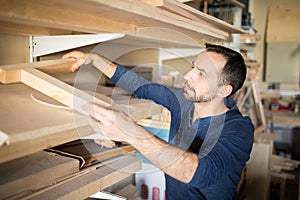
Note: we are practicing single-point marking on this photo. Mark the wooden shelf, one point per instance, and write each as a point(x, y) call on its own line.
point(126, 16)
point(249, 38)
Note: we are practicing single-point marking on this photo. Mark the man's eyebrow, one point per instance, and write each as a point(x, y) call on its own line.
point(197, 67)
point(202, 70)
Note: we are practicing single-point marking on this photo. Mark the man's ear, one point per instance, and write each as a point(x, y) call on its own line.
point(225, 90)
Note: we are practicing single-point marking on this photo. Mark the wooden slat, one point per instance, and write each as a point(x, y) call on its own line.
point(283, 23)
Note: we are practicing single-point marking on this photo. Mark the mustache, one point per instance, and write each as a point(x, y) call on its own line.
point(187, 85)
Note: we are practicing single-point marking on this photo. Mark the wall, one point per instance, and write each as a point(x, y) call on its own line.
point(259, 11)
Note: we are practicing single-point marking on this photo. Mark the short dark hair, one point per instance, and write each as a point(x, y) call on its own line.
point(234, 71)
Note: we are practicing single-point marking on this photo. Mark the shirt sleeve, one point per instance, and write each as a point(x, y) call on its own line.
point(228, 157)
point(144, 89)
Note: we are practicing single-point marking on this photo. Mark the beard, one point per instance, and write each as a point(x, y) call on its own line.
point(190, 94)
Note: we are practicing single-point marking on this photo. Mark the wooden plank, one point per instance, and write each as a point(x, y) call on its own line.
point(58, 16)
point(141, 109)
point(103, 16)
point(192, 13)
point(29, 30)
point(40, 169)
point(258, 181)
point(83, 186)
point(60, 91)
point(286, 117)
point(129, 192)
point(31, 145)
point(257, 103)
point(12, 73)
point(283, 23)
point(237, 3)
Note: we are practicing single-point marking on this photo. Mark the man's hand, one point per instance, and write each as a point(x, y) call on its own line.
point(115, 125)
point(81, 58)
point(101, 63)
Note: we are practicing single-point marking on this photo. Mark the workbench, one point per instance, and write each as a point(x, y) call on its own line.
point(28, 128)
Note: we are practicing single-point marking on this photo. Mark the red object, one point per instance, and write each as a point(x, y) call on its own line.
point(144, 191)
point(155, 193)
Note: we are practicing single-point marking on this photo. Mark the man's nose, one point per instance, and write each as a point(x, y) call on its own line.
point(188, 75)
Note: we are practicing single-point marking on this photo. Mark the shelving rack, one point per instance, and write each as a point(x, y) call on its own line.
point(28, 128)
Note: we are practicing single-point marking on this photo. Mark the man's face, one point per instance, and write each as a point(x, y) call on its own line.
point(202, 81)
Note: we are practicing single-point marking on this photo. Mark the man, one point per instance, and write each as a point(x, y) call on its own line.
point(209, 140)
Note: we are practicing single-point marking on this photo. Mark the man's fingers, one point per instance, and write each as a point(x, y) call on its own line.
point(77, 65)
point(100, 113)
point(74, 54)
point(81, 58)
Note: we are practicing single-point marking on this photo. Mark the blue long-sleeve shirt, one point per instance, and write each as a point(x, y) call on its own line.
point(223, 142)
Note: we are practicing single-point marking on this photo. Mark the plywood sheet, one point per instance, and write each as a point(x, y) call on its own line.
point(33, 172)
point(31, 126)
point(283, 23)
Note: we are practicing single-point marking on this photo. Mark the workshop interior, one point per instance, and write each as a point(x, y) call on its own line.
point(50, 150)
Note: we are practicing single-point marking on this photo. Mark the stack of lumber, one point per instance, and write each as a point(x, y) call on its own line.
point(127, 16)
point(67, 173)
